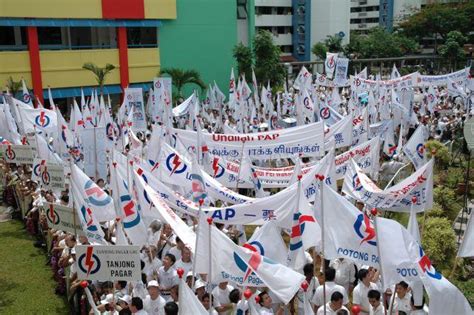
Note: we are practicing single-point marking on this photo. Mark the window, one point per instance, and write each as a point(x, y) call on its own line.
point(7, 36)
point(142, 37)
point(241, 9)
point(49, 35)
point(80, 37)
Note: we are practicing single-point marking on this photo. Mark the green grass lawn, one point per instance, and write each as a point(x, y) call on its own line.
point(26, 283)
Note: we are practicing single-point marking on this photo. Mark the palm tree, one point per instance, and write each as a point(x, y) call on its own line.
point(100, 73)
point(13, 86)
point(180, 77)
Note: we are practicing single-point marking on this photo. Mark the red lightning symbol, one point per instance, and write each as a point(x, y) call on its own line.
point(157, 164)
point(89, 212)
point(254, 262)
point(425, 263)
point(128, 209)
point(42, 120)
point(368, 229)
point(51, 212)
point(89, 263)
point(215, 165)
point(176, 162)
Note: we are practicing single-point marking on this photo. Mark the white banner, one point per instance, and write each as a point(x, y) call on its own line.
point(307, 140)
point(49, 175)
point(94, 149)
point(18, 154)
point(61, 218)
point(340, 77)
point(184, 107)
point(409, 80)
point(459, 77)
point(108, 263)
point(330, 64)
point(365, 154)
point(133, 99)
point(396, 198)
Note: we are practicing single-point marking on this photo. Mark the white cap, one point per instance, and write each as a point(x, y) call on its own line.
point(153, 283)
point(199, 284)
point(108, 299)
point(190, 274)
point(126, 298)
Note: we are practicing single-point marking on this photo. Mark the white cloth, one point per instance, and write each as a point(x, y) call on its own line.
point(329, 310)
point(154, 307)
point(318, 298)
point(167, 280)
point(313, 285)
point(345, 272)
point(359, 296)
point(403, 305)
point(379, 310)
point(221, 297)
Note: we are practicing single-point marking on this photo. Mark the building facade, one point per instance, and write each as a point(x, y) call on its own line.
point(47, 42)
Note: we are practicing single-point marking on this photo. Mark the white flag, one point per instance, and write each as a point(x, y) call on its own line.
point(467, 246)
point(330, 64)
point(415, 147)
point(26, 97)
point(188, 301)
point(268, 242)
point(304, 79)
point(36, 119)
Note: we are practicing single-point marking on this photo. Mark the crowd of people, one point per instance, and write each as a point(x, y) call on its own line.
point(349, 288)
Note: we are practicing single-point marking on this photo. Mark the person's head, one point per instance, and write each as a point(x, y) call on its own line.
point(167, 230)
point(360, 205)
point(179, 243)
point(416, 307)
point(186, 254)
point(363, 275)
point(223, 285)
point(101, 183)
point(308, 270)
point(124, 301)
point(401, 289)
point(70, 241)
point(234, 296)
point(153, 289)
point(136, 305)
point(265, 300)
point(336, 300)
point(64, 200)
point(206, 300)
point(171, 308)
point(119, 285)
point(330, 274)
point(169, 260)
point(374, 298)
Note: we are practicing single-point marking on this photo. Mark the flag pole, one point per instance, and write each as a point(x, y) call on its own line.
point(209, 221)
point(240, 166)
point(201, 201)
point(95, 155)
point(320, 177)
point(374, 213)
point(72, 196)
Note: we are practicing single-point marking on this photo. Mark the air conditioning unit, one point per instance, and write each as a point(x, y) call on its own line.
point(301, 50)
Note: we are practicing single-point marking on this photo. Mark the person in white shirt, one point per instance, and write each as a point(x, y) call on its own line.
point(333, 306)
point(178, 249)
point(206, 302)
point(152, 263)
point(220, 296)
point(359, 295)
point(376, 308)
point(154, 303)
point(266, 305)
point(331, 287)
point(137, 306)
point(345, 273)
point(313, 284)
point(185, 262)
point(167, 276)
point(402, 299)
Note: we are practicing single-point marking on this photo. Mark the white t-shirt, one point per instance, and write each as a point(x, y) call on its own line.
point(404, 304)
point(329, 310)
point(221, 297)
point(187, 266)
point(359, 296)
point(380, 310)
point(331, 287)
point(345, 272)
point(154, 266)
point(154, 307)
point(176, 252)
point(266, 311)
point(167, 280)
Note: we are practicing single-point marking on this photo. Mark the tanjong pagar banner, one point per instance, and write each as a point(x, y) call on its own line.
point(61, 218)
point(108, 263)
point(396, 198)
point(307, 140)
point(365, 154)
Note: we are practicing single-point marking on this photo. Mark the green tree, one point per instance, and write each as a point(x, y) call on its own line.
point(13, 86)
point(379, 43)
point(243, 56)
point(437, 20)
point(452, 48)
point(330, 44)
point(439, 242)
point(440, 151)
point(180, 78)
point(267, 60)
point(99, 72)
